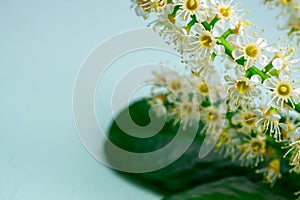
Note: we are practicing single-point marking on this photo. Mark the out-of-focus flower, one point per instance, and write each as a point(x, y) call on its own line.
point(253, 150)
point(271, 172)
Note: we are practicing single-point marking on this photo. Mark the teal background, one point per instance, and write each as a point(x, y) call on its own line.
point(42, 45)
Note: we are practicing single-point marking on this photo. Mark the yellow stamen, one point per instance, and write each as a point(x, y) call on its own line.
point(242, 86)
point(206, 41)
point(289, 52)
point(283, 89)
point(251, 51)
point(191, 5)
point(225, 12)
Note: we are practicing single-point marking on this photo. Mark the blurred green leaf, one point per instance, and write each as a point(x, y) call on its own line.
point(232, 188)
point(184, 173)
point(189, 170)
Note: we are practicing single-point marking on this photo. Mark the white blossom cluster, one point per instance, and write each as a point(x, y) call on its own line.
point(261, 87)
point(290, 13)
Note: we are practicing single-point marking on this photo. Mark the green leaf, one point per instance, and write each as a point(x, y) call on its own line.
point(188, 171)
point(232, 188)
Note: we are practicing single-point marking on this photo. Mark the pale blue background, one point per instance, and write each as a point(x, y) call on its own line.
point(42, 46)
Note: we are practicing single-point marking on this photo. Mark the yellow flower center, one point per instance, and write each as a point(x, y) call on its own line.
point(224, 137)
point(242, 86)
point(286, 1)
point(206, 40)
point(191, 5)
point(283, 89)
point(275, 165)
point(203, 89)
point(223, 140)
point(187, 109)
point(257, 146)
point(212, 116)
point(175, 85)
point(225, 12)
point(251, 51)
point(274, 171)
point(249, 119)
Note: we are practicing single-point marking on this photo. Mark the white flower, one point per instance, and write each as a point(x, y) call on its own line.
point(293, 24)
point(142, 7)
point(201, 87)
point(225, 13)
point(296, 169)
point(214, 119)
point(185, 110)
point(242, 90)
point(284, 59)
point(269, 122)
point(203, 43)
point(246, 119)
point(294, 144)
point(228, 142)
point(206, 92)
point(190, 7)
point(253, 150)
point(157, 102)
point(289, 9)
point(282, 91)
point(173, 35)
point(170, 82)
point(288, 6)
point(251, 49)
point(207, 71)
point(271, 172)
point(160, 6)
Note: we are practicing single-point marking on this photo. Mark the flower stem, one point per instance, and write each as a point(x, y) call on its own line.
point(253, 70)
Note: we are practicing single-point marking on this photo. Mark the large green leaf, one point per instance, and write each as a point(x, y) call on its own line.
point(189, 170)
point(184, 173)
point(232, 188)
